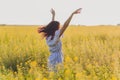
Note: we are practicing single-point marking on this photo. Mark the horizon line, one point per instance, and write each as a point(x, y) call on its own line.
point(70, 25)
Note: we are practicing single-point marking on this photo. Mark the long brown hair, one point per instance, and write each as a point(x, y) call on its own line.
point(50, 29)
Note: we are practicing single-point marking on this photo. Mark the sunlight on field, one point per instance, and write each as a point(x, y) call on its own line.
point(90, 53)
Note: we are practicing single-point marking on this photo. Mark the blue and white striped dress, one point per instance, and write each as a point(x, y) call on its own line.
point(55, 46)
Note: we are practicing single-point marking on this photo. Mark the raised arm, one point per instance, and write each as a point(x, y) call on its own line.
point(53, 14)
point(65, 25)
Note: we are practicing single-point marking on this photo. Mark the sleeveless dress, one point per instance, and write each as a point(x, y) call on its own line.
point(56, 56)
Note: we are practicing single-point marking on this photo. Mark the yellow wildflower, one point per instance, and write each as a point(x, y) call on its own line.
point(78, 75)
point(51, 74)
point(114, 78)
point(67, 72)
point(67, 59)
point(37, 79)
point(45, 78)
point(59, 79)
point(33, 64)
point(75, 58)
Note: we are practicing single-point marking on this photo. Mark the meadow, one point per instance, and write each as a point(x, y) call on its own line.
point(90, 53)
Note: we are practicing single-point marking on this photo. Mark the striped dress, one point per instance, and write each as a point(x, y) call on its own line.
point(56, 56)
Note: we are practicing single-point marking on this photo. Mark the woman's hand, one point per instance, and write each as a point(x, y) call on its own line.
point(77, 11)
point(52, 11)
point(53, 14)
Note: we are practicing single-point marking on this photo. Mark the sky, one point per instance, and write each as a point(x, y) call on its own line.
point(37, 12)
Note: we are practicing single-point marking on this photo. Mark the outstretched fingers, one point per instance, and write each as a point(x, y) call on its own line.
point(77, 11)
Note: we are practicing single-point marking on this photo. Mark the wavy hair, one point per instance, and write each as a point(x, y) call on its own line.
point(50, 29)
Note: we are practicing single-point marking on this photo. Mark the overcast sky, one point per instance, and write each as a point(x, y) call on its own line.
point(94, 12)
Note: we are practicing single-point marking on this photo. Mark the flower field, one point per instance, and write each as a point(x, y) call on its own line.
point(90, 53)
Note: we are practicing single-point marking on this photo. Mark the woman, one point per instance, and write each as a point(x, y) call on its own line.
point(52, 33)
